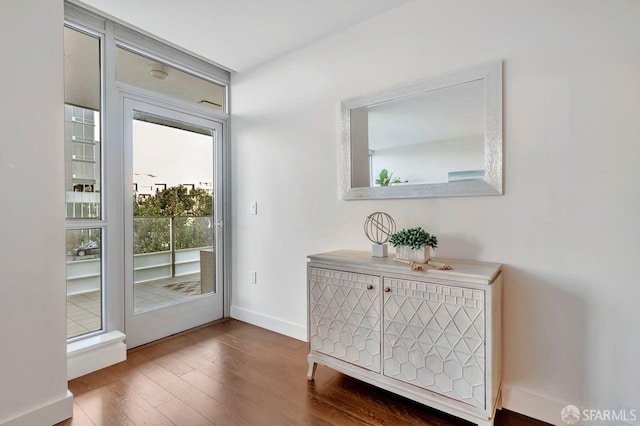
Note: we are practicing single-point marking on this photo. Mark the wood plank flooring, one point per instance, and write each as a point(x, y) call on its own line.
point(233, 373)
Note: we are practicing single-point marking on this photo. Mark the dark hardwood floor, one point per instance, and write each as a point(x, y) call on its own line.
point(233, 373)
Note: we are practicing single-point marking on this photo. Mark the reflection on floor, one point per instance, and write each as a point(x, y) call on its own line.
point(233, 373)
point(84, 310)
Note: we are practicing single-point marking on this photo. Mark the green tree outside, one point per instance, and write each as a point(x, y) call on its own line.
point(190, 210)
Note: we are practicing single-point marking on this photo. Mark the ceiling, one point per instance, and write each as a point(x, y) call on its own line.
point(241, 34)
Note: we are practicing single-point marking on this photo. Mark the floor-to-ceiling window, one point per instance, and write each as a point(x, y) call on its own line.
point(83, 189)
point(116, 233)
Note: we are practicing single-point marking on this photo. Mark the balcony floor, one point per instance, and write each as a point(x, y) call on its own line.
point(83, 313)
point(84, 310)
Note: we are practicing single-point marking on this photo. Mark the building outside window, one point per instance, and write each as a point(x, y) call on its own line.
point(82, 136)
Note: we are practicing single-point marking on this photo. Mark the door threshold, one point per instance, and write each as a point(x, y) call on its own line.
point(182, 333)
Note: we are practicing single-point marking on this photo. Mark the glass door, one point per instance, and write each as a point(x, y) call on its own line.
point(173, 221)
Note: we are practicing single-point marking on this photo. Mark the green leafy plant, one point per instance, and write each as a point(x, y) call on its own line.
point(386, 179)
point(189, 211)
point(416, 238)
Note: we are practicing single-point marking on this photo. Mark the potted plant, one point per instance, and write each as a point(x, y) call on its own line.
point(413, 244)
point(386, 179)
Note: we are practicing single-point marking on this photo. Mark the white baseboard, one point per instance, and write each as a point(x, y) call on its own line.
point(49, 414)
point(544, 408)
point(278, 325)
point(532, 405)
point(95, 353)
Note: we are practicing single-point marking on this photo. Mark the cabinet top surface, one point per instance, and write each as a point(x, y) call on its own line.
point(462, 268)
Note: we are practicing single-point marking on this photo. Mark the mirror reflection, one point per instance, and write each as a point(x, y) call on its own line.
point(433, 137)
point(438, 137)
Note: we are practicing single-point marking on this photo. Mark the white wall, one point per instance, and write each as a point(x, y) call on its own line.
point(566, 229)
point(33, 385)
point(432, 161)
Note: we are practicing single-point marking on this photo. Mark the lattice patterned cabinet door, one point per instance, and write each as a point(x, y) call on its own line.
point(434, 338)
point(344, 319)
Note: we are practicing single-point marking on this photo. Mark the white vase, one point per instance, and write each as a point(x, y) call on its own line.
point(413, 255)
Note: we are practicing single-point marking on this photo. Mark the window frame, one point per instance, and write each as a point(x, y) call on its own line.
point(115, 34)
point(101, 223)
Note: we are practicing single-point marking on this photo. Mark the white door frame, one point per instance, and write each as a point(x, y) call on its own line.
point(152, 325)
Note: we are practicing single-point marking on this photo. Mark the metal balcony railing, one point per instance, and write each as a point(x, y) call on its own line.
point(162, 247)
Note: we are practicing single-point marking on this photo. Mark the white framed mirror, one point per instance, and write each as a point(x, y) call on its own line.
point(437, 137)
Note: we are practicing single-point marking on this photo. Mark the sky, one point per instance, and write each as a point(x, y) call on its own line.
point(172, 156)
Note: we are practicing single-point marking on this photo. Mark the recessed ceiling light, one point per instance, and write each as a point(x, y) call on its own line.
point(158, 71)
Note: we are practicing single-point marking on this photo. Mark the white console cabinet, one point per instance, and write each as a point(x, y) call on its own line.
point(431, 336)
